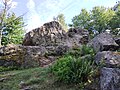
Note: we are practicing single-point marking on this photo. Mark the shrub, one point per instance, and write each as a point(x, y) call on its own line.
point(82, 51)
point(72, 68)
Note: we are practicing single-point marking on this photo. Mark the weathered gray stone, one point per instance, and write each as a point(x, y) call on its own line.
point(60, 50)
point(48, 40)
point(24, 56)
point(110, 79)
point(29, 56)
point(78, 36)
point(108, 59)
point(47, 35)
point(52, 34)
point(104, 42)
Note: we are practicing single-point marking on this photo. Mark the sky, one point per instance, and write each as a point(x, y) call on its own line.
point(38, 12)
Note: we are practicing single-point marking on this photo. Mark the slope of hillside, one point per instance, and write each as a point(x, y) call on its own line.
point(31, 79)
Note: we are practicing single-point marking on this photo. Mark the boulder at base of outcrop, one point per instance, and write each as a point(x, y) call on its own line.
point(24, 56)
point(110, 79)
point(108, 59)
point(104, 42)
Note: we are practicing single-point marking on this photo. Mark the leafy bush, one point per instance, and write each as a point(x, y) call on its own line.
point(73, 68)
point(82, 51)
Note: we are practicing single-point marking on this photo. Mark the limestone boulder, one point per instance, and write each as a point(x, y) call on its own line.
point(108, 59)
point(104, 42)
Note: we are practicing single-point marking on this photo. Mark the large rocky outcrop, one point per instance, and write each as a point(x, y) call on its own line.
point(52, 34)
point(104, 42)
point(42, 45)
point(108, 58)
point(49, 34)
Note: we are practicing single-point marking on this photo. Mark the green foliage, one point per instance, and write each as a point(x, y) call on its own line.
point(11, 26)
point(75, 66)
point(28, 76)
point(33, 79)
point(82, 51)
point(82, 19)
point(97, 19)
point(61, 20)
point(115, 22)
point(101, 17)
point(2, 69)
point(13, 30)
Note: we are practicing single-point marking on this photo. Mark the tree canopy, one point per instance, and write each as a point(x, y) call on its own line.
point(13, 30)
point(61, 20)
point(11, 26)
point(98, 19)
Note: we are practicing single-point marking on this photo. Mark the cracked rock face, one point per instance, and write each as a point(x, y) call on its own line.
point(52, 34)
point(22, 56)
point(108, 59)
point(104, 42)
point(48, 34)
point(110, 79)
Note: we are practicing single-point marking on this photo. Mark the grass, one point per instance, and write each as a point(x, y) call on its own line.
point(34, 79)
point(43, 79)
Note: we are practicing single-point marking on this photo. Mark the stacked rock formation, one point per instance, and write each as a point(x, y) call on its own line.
point(108, 56)
point(42, 45)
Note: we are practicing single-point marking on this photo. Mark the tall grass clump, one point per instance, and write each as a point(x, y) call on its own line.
point(76, 66)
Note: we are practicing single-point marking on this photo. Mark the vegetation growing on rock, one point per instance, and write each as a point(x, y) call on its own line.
point(76, 67)
point(68, 54)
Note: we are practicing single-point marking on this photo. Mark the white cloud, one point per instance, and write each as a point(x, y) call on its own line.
point(33, 18)
point(45, 11)
point(51, 8)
